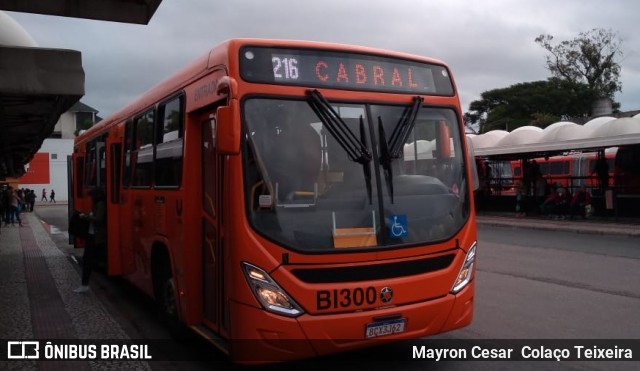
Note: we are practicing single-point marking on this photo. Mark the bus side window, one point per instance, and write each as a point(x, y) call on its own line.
point(517, 171)
point(102, 164)
point(128, 148)
point(90, 173)
point(79, 176)
point(142, 155)
point(209, 165)
point(168, 160)
point(116, 165)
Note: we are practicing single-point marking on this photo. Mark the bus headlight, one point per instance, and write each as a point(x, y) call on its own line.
point(269, 293)
point(466, 272)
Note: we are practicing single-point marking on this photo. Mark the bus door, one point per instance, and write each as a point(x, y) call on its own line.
point(115, 255)
point(124, 211)
point(69, 189)
point(76, 188)
point(578, 172)
point(214, 308)
point(100, 166)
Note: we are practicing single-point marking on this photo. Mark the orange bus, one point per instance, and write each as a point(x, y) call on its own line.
point(571, 171)
point(290, 190)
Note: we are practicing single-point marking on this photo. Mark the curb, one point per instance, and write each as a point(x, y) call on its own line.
point(590, 228)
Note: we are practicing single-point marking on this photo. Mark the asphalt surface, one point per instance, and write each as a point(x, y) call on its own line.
point(602, 226)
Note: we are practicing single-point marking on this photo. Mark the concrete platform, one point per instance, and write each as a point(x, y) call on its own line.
point(36, 286)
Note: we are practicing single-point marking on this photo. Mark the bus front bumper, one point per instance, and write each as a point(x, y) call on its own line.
point(267, 338)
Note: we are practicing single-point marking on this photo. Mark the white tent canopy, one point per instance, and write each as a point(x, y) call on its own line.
point(599, 133)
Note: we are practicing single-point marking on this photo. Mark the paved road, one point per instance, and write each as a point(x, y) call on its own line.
point(534, 284)
point(530, 284)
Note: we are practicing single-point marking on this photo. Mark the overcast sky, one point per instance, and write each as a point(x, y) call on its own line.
point(488, 44)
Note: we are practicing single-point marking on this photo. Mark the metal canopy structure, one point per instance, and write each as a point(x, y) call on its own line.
point(558, 138)
point(126, 11)
point(38, 85)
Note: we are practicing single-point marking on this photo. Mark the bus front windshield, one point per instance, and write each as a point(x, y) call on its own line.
point(327, 176)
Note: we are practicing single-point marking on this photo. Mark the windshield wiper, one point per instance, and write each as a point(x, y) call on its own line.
point(366, 169)
point(356, 149)
point(385, 158)
point(392, 149)
point(403, 128)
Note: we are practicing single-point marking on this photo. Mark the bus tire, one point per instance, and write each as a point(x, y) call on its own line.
point(166, 296)
point(168, 310)
point(164, 291)
point(168, 303)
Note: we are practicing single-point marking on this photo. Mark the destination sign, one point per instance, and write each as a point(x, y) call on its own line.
point(343, 70)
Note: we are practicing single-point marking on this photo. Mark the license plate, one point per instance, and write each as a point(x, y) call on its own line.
point(376, 329)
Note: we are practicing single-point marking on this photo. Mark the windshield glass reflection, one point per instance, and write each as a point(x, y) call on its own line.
point(306, 190)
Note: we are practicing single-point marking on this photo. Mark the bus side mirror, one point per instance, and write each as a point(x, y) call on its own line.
point(228, 129)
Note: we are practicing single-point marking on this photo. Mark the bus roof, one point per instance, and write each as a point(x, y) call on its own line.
point(220, 56)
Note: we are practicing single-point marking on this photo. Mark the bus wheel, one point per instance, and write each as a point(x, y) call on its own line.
point(168, 308)
point(168, 302)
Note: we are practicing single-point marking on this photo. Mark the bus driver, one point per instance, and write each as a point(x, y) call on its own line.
point(294, 159)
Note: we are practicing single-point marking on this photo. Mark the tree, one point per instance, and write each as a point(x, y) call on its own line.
point(591, 58)
point(538, 103)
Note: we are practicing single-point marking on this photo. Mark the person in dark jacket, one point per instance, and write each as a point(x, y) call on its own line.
point(13, 201)
point(581, 198)
point(97, 236)
point(31, 200)
point(550, 204)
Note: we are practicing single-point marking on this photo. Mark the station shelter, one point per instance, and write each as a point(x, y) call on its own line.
point(567, 155)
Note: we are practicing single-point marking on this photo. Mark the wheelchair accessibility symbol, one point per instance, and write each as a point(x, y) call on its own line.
point(398, 226)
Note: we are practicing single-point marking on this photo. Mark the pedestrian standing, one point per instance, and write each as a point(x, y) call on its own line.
point(520, 210)
point(22, 203)
point(7, 205)
point(14, 202)
point(97, 236)
point(602, 171)
point(31, 199)
point(52, 198)
point(4, 207)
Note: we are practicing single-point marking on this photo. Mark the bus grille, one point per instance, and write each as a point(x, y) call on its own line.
point(373, 272)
